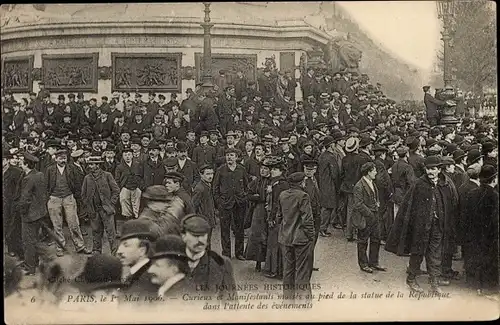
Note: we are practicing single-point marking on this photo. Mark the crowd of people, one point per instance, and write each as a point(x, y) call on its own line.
point(154, 179)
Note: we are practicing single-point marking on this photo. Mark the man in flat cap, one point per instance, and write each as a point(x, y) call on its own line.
point(417, 229)
point(226, 107)
point(32, 208)
point(210, 272)
point(296, 235)
point(136, 241)
point(172, 182)
point(230, 189)
point(100, 194)
point(203, 199)
point(63, 189)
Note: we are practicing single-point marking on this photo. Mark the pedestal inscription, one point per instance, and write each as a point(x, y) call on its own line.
point(231, 63)
point(70, 72)
point(17, 74)
point(146, 71)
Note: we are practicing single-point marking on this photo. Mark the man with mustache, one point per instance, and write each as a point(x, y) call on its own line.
point(63, 189)
point(209, 271)
point(100, 194)
point(418, 230)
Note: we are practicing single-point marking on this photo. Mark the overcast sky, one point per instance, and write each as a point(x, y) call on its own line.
point(409, 28)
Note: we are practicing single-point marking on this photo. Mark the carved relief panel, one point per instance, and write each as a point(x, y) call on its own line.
point(70, 72)
point(17, 74)
point(287, 61)
point(146, 71)
point(231, 63)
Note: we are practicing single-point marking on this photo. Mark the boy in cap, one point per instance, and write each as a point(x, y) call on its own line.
point(100, 194)
point(208, 270)
point(203, 199)
point(32, 208)
point(172, 182)
point(128, 179)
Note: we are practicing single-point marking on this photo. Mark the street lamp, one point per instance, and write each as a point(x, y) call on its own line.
point(207, 51)
point(446, 12)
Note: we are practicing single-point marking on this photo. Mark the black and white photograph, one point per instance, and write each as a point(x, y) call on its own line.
point(234, 162)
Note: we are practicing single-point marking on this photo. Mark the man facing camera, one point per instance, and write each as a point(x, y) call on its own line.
point(210, 272)
point(366, 218)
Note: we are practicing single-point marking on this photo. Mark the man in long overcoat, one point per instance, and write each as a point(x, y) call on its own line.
point(329, 183)
point(482, 238)
point(418, 227)
point(12, 176)
point(296, 235)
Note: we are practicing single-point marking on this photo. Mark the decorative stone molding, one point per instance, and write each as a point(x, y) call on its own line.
point(17, 74)
point(229, 62)
point(70, 72)
point(105, 73)
point(146, 71)
point(153, 41)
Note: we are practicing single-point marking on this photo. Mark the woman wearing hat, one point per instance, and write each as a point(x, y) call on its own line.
point(255, 249)
point(481, 236)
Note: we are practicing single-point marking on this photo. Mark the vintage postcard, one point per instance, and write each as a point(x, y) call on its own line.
point(188, 162)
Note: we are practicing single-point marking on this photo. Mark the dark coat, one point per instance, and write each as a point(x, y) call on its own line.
point(214, 273)
point(329, 180)
point(459, 177)
point(351, 171)
point(366, 203)
point(151, 173)
point(463, 194)
point(411, 229)
point(297, 226)
point(139, 283)
point(417, 162)
point(11, 192)
point(204, 154)
point(191, 175)
point(256, 245)
point(105, 185)
point(384, 184)
point(230, 187)
point(125, 174)
point(33, 200)
point(71, 177)
point(481, 239)
point(450, 211)
point(431, 105)
point(203, 201)
point(402, 179)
